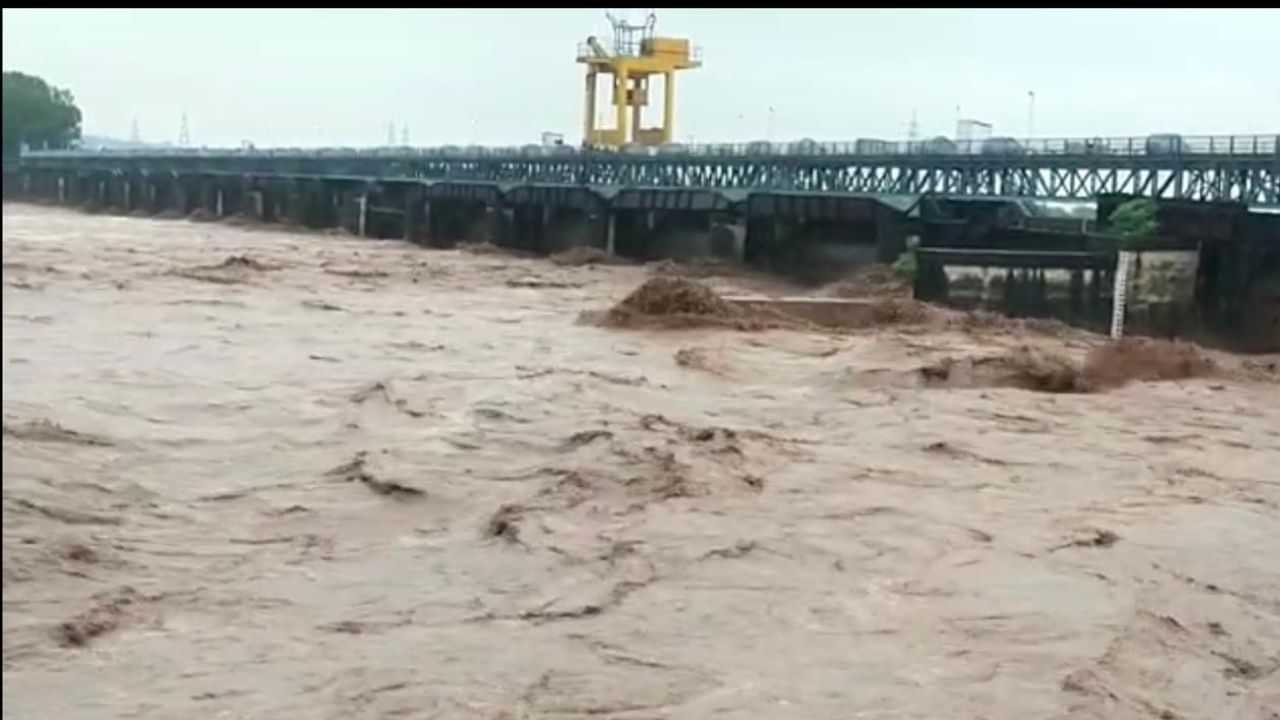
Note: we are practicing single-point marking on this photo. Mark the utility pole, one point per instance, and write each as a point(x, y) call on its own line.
point(184, 133)
point(1031, 116)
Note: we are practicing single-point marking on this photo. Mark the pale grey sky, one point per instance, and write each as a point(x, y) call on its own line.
point(334, 77)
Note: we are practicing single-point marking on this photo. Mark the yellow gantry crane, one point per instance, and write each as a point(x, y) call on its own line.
point(637, 55)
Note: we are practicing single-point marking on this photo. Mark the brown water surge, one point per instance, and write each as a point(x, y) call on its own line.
point(362, 480)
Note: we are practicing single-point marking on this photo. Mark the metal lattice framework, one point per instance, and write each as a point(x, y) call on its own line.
point(1241, 169)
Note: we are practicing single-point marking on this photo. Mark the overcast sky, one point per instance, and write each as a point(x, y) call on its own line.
point(297, 77)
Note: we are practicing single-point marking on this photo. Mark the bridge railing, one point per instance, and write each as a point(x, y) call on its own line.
point(1150, 145)
point(1124, 146)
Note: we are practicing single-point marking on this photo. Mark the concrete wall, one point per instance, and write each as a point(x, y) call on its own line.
point(1162, 294)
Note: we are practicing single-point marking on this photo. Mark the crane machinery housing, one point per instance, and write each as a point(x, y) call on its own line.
point(637, 55)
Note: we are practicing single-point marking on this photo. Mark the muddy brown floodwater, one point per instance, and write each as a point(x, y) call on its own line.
point(255, 474)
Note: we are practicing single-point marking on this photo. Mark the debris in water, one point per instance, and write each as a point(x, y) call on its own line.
point(322, 305)
point(48, 431)
point(488, 248)
point(582, 255)
point(377, 388)
point(1239, 667)
point(354, 470)
point(585, 437)
point(80, 553)
point(107, 614)
point(869, 281)
point(696, 358)
point(1144, 360)
point(899, 311)
point(666, 302)
point(505, 523)
point(233, 270)
point(540, 283)
point(698, 267)
point(676, 296)
point(386, 487)
point(358, 273)
point(739, 549)
point(1092, 539)
point(1024, 368)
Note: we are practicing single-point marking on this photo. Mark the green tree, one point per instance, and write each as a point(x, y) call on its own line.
point(37, 114)
point(1133, 223)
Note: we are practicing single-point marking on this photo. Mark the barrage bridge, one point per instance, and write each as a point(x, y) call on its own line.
point(1233, 168)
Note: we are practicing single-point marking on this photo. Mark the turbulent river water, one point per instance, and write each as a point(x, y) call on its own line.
point(251, 473)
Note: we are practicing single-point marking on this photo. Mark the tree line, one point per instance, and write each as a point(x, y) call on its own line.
point(37, 115)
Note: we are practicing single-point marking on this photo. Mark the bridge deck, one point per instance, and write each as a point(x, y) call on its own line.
point(1245, 169)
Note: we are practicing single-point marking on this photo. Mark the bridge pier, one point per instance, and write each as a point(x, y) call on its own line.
point(528, 227)
point(208, 198)
point(386, 208)
point(230, 197)
point(128, 194)
point(450, 221)
point(414, 205)
point(729, 240)
point(680, 234)
point(322, 205)
point(84, 189)
point(656, 234)
point(295, 203)
point(351, 204)
point(152, 190)
point(820, 238)
point(630, 233)
point(9, 182)
point(106, 190)
point(283, 194)
point(116, 200)
point(185, 194)
point(249, 205)
point(271, 200)
point(164, 190)
point(547, 229)
point(71, 189)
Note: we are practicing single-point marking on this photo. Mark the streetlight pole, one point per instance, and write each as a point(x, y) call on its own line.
point(1031, 116)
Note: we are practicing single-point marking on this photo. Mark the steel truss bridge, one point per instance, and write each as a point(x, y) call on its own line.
point(1243, 169)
